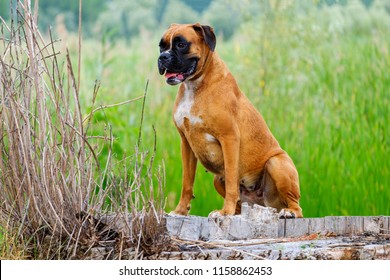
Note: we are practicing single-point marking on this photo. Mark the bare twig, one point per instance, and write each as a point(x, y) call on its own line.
point(102, 107)
point(142, 114)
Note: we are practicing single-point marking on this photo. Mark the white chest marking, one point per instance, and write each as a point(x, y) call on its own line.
point(184, 109)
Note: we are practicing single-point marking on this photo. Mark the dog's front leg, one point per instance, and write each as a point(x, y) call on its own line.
point(189, 162)
point(230, 149)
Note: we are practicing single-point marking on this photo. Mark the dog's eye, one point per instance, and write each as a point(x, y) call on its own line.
point(181, 45)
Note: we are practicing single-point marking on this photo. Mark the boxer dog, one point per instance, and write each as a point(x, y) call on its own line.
point(220, 128)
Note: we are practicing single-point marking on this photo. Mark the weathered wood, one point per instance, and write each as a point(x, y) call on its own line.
point(259, 222)
point(254, 222)
point(336, 225)
point(316, 225)
point(373, 224)
point(386, 226)
point(248, 226)
point(344, 224)
point(188, 227)
point(300, 227)
point(296, 227)
point(258, 233)
point(336, 248)
point(281, 227)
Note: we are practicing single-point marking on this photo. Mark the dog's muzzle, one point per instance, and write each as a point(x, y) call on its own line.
point(173, 72)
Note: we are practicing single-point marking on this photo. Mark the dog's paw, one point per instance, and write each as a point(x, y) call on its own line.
point(179, 212)
point(286, 214)
point(219, 213)
point(175, 214)
point(215, 214)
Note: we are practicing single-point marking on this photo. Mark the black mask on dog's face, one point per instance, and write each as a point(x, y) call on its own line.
point(175, 62)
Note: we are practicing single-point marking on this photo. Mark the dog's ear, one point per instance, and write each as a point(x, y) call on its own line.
point(207, 33)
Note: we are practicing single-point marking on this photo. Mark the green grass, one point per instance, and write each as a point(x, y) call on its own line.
point(321, 80)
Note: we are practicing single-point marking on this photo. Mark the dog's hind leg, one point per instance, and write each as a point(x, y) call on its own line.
point(281, 189)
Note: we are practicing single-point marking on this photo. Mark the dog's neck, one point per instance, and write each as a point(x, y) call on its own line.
point(193, 84)
point(209, 74)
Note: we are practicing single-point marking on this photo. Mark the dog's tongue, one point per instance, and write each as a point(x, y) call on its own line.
point(177, 75)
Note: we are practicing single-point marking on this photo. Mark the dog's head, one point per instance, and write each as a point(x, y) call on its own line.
point(184, 49)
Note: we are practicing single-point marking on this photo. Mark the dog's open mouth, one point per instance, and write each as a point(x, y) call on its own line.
point(174, 78)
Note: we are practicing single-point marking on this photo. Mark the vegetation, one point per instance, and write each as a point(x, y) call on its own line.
point(317, 71)
point(55, 191)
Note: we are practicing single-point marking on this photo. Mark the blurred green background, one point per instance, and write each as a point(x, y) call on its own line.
point(318, 71)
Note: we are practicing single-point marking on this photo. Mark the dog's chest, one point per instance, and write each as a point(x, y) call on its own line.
point(184, 112)
point(191, 120)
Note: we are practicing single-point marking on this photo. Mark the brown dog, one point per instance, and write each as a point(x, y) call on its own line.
point(221, 128)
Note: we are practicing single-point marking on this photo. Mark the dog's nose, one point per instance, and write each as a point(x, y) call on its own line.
point(164, 57)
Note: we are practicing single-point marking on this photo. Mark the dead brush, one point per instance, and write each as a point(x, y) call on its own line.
point(54, 195)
